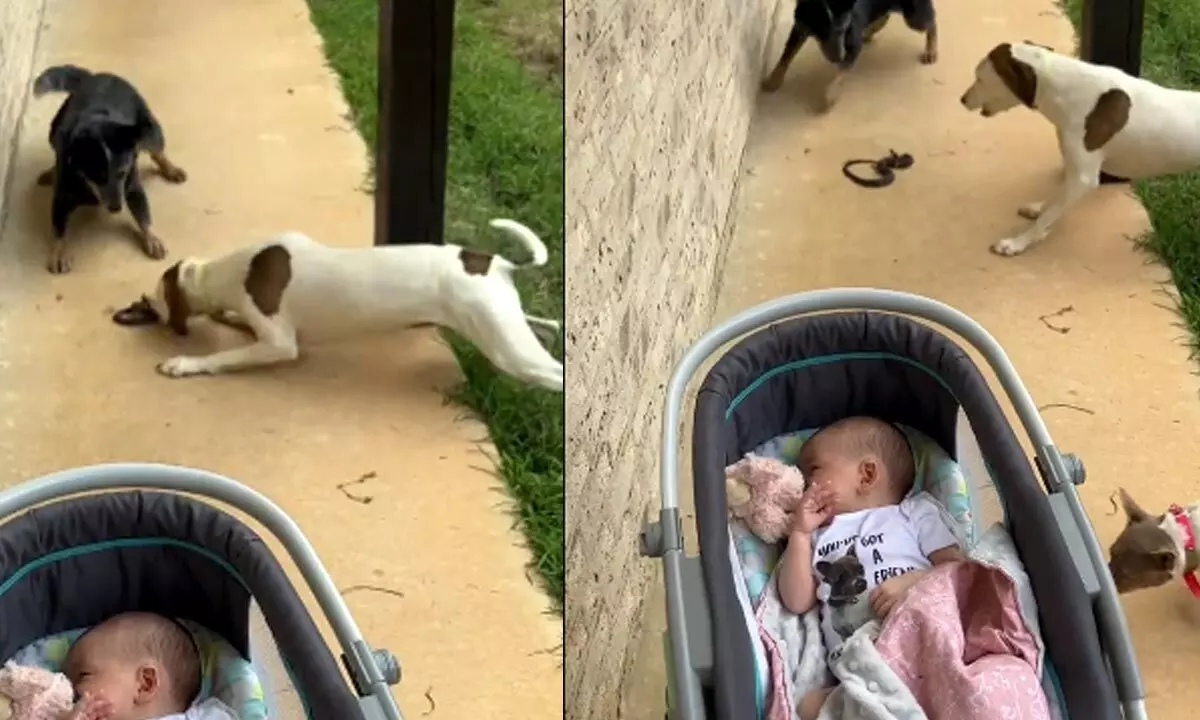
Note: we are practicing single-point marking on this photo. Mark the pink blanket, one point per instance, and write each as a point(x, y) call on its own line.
point(958, 643)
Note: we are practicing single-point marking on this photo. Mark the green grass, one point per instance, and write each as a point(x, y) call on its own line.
point(506, 160)
point(1171, 56)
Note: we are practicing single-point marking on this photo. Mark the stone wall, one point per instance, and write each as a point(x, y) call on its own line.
point(20, 23)
point(659, 100)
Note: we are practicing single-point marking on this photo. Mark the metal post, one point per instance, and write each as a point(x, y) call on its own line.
point(411, 141)
point(1112, 34)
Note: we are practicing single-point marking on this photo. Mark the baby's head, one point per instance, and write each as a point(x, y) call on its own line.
point(144, 664)
point(866, 462)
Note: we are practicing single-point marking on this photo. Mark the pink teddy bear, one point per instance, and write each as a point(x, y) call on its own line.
point(762, 492)
point(31, 693)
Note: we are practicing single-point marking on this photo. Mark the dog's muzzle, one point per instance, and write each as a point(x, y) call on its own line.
point(112, 200)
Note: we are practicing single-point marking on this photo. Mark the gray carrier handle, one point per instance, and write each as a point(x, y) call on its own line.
point(1060, 473)
point(371, 670)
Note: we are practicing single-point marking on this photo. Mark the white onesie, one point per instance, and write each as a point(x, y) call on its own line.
point(209, 709)
point(889, 541)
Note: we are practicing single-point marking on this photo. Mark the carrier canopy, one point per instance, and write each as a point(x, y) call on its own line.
point(811, 371)
point(76, 562)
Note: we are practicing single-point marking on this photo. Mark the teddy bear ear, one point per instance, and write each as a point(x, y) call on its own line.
point(6, 678)
point(736, 493)
point(27, 681)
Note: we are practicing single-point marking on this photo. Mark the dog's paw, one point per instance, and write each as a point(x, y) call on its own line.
point(59, 262)
point(1030, 211)
point(830, 95)
point(773, 82)
point(1008, 247)
point(153, 247)
point(174, 174)
point(46, 178)
point(929, 57)
point(181, 366)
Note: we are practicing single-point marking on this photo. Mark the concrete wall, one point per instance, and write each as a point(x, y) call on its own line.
point(20, 23)
point(659, 99)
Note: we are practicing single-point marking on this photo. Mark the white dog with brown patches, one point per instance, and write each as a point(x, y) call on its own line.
point(1106, 119)
point(291, 289)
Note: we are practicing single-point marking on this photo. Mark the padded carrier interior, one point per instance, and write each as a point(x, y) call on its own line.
point(76, 562)
point(811, 371)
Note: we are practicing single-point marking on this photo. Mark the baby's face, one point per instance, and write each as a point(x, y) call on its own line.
point(825, 465)
point(92, 667)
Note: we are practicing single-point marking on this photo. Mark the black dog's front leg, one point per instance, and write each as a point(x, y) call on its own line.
point(139, 206)
point(60, 212)
point(795, 41)
point(920, 16)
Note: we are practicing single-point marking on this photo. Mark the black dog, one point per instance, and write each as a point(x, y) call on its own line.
point(96, 136)
point(842, 27)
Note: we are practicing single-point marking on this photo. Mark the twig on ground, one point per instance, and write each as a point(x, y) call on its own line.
point(1061, 329)
point(432, 702)
point(548, 651)
point(362, 499)
point(1066, 406)
point(372, 588)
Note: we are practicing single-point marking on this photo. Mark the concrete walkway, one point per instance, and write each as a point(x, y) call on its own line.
point(1118, 356)
point(254, 116)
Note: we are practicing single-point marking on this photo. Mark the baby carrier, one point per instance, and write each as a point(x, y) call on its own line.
point(81, 545)
point(810, 359)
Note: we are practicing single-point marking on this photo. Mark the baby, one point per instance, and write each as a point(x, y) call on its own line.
point(858, 544)
point(137, 666)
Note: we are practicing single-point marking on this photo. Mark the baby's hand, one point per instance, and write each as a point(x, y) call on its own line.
point(814, 509)
point(91, 707)
point(888, 594)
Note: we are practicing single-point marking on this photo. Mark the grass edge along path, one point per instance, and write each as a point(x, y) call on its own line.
point(1171, 57)
point(506, 160)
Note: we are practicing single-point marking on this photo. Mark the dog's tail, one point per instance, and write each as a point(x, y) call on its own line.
point(527, 237)
point(60, 78)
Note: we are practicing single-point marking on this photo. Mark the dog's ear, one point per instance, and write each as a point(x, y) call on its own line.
point(823, 568)
point(853, 551)
point(1133, 512)
point(178, 310)
point(1020, 79)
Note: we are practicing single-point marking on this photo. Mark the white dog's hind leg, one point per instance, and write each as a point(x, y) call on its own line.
point(1082, 177)
point(546, 378)
point(505, 337)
